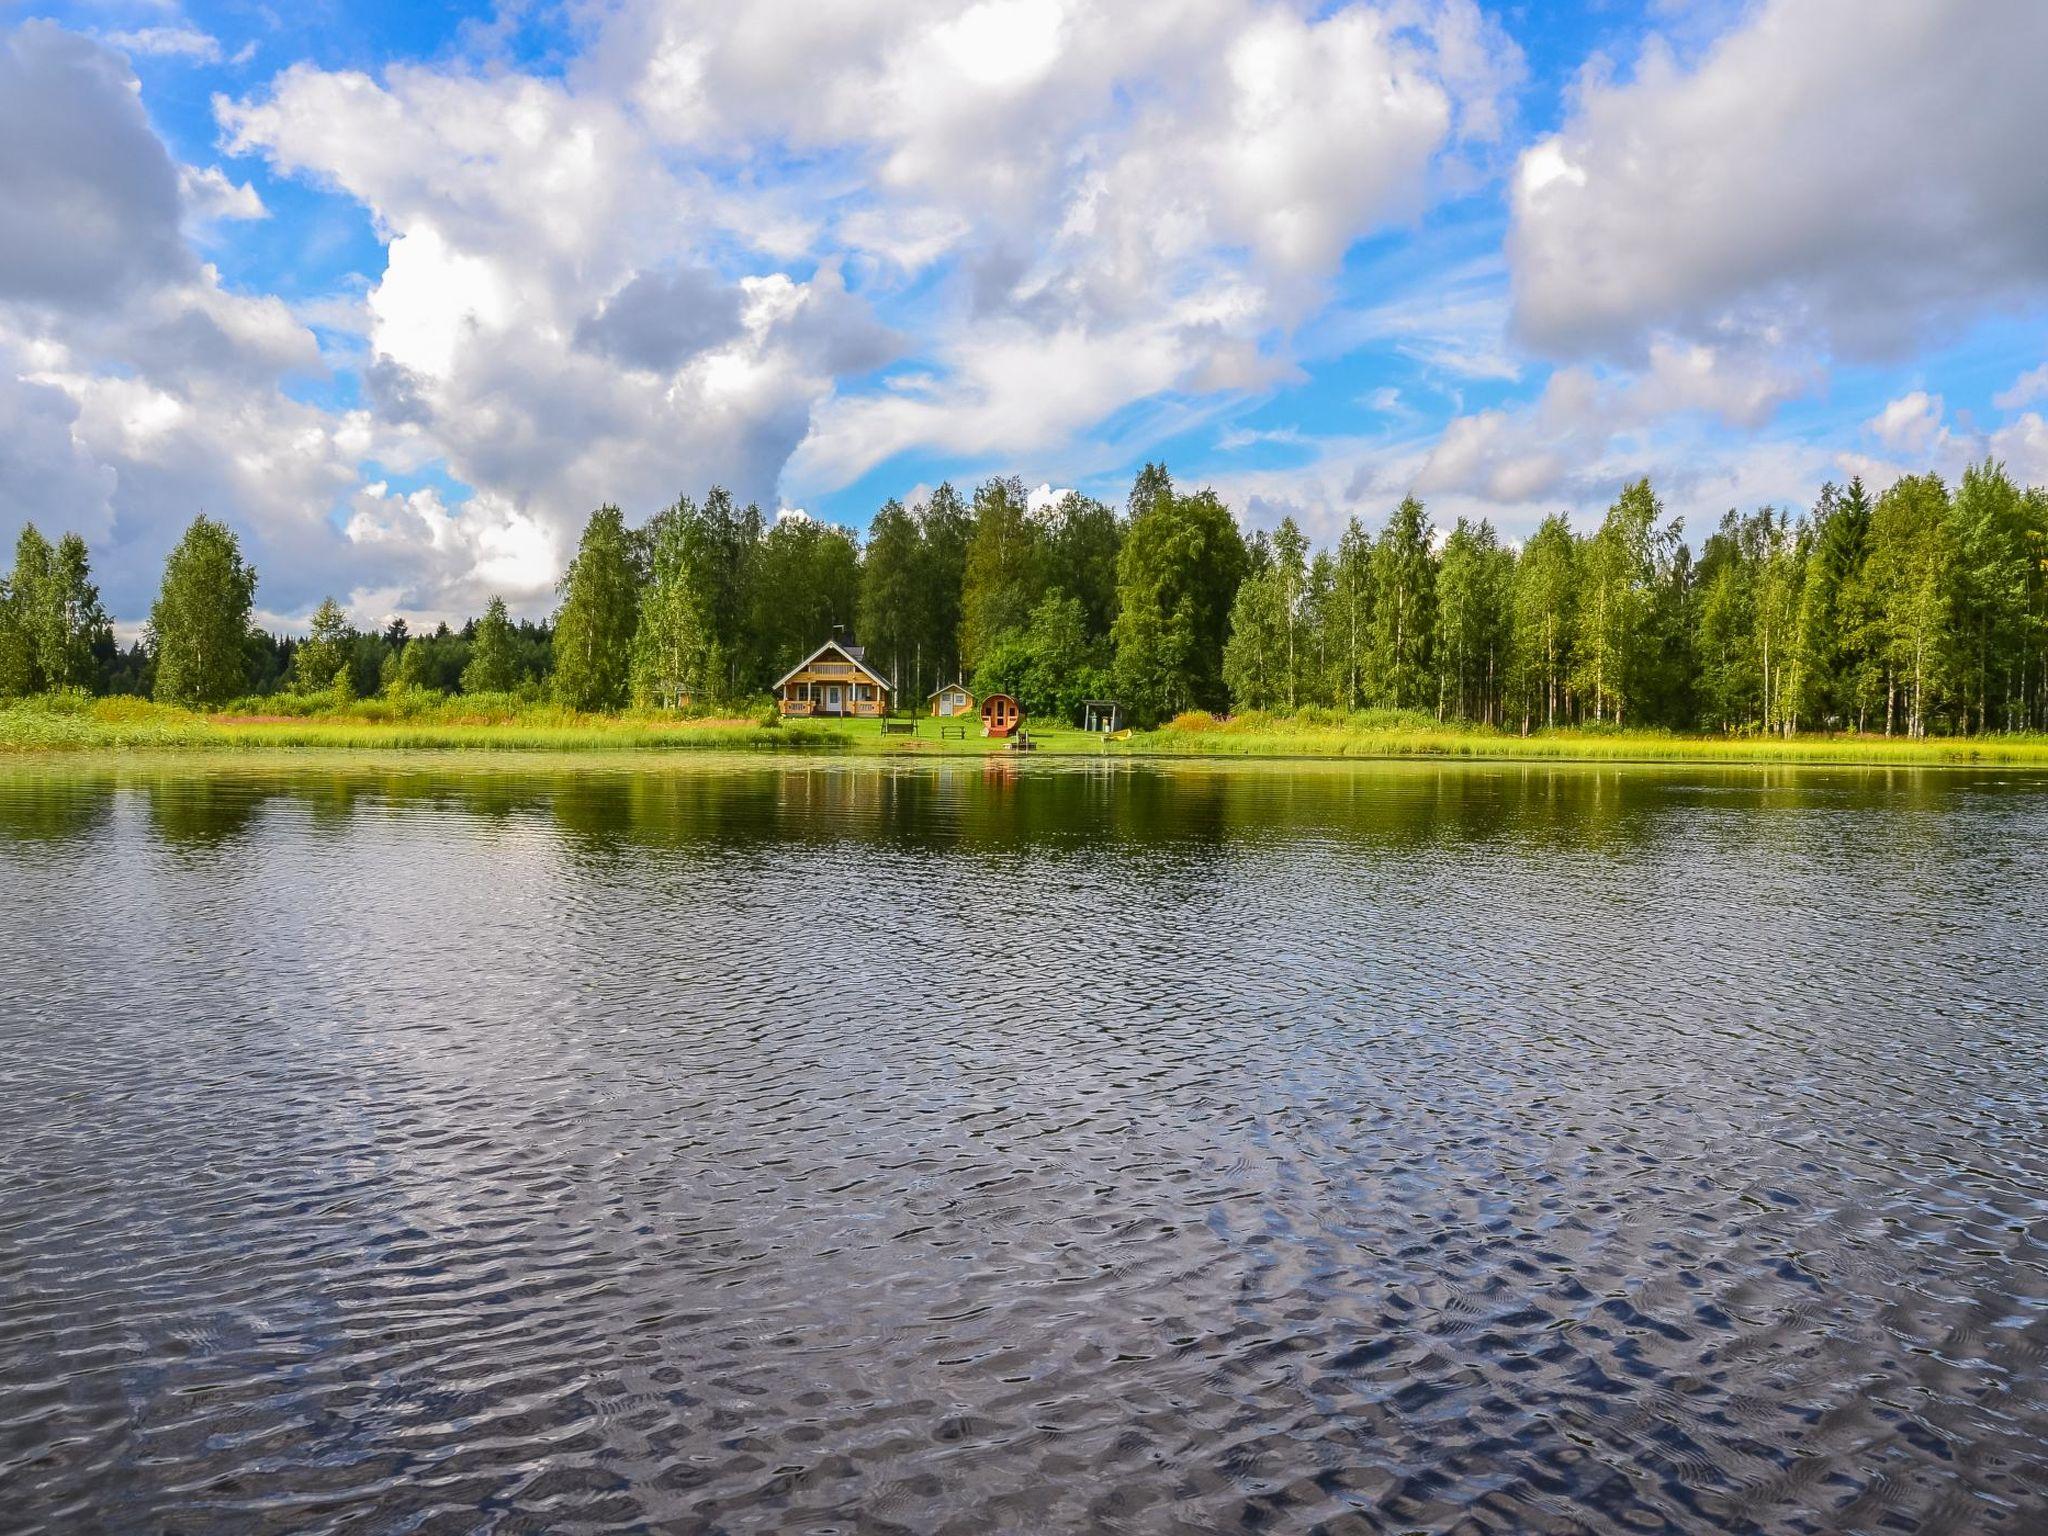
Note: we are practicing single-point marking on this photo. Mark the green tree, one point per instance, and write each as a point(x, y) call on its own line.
point(945, 525)
point(24, 614)
point(1005, 570)
point(200, 620)
point(1152, 486)
point(1910, 573)
point(325, 651)
point(17, 654)
point(1747, 651)
point(1727, 599)
point(1826, 664)
point(1781, 574)
point(1252, 655)
point(1083, 544)
point(1617, 573)
point(1866, 670)
point(726, 562)
point(1265, 657)
point(434, 662)
point(1545, 604)
point(1403, 609)
point(493, 665)
point(1994, 552)
point(893, 623)
point(681, 651)
point(1050, 665)
point(59, 625)
point(599, 614)
point(808, 582)
point(1322, 678)
point(1472, 593)
point(1177, 578)
point(2034, 690)
point(33, 590)
point(1350, 623)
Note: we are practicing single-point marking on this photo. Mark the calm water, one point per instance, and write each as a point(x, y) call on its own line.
point(734, 1146)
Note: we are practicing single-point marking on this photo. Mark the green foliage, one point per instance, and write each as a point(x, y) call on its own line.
point(679, 651)
point(200, 621)
point(1544, 622)
point(493, 665)
point(599, 614)
point(1177, 577)
point(1050, 666)
point(946, 525)
point(1748, 654)
point(52, 627)
point(1267, 660)
point(1922, 614)
point(324, 651)
point(893, 614)
point(1083, 541)
point(1908, 581)
point(1474, 581)
point(1996, 625)
point(432, 663)
point(1403, 610)
point(1617, 575)
point(1005, 569)
point(809, 580)
point(1350, 612)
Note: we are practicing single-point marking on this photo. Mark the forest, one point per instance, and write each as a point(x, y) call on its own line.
point(1920, 611)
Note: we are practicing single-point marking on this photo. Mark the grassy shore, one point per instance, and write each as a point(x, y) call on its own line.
point(131, 725)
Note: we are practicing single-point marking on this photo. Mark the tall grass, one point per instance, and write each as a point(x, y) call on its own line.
point(490, 723)
point(505, 722)
point(1413, 733)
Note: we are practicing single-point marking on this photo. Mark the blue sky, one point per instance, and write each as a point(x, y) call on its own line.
point(402, 292)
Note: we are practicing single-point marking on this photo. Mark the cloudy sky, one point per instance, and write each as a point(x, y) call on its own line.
point(401, 292)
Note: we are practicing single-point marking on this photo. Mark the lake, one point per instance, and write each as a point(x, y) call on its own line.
point(744, 1145)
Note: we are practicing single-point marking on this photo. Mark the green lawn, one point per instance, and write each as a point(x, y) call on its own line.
point(124, 724)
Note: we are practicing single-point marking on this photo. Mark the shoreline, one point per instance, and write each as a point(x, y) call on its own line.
point(110, 729)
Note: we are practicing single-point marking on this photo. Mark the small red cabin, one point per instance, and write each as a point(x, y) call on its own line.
point(1000, 715)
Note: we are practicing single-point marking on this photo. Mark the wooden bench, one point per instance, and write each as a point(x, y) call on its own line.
point(899, 727)
point(959, 732)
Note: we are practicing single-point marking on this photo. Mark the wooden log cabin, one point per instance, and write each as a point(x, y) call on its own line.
point(834, 681)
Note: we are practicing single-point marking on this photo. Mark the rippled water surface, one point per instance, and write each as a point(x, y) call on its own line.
point(742, 1146)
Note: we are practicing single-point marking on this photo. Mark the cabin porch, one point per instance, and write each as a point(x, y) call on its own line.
point(815, 699)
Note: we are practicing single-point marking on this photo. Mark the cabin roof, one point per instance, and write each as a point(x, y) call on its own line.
point(852, 653)
point(947, 687)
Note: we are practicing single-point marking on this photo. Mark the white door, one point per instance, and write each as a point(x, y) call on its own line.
point(832, 697)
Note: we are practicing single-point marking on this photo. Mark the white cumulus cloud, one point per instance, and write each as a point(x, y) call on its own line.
point(1853, 173)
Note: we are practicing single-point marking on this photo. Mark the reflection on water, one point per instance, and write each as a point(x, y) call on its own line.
point(1029, 1147)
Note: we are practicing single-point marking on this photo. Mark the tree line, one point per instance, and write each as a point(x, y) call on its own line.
point(1921, 610)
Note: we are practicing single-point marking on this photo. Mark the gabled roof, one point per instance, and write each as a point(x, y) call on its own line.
point(851, 652)
point(947, 687)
